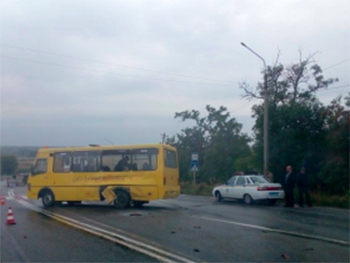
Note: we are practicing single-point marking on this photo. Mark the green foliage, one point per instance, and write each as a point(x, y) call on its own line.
point(8, 164)
point(302, 131)
point(218, 140)
point(325, 199)
point(198, 189)
point(334, 175)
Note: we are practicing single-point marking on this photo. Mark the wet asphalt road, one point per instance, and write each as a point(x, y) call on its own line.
point(195, 228)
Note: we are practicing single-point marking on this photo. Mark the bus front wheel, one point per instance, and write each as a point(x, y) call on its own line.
point(122, 200)
point(48, 199)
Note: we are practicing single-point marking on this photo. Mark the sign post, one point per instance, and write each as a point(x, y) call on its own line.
point(194, 166)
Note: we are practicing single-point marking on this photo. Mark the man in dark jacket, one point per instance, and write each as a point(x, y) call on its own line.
point(289, 187)
point(123, 164)
point(303, 187)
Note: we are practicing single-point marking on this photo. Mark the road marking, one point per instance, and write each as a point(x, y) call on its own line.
point(290, 233)
point(159, 254)
point(12, 196)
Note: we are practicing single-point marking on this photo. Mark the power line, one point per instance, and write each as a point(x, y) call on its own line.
point(339, 87)
point(121, 74)
point(337, 64)
point(115, 65)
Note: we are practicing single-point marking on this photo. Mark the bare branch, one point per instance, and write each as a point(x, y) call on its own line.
point(248, 93)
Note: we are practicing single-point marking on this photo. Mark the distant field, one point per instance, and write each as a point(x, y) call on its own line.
point(24, 163)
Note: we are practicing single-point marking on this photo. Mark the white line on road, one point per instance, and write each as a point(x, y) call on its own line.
point(159, 254)
point(290, 233)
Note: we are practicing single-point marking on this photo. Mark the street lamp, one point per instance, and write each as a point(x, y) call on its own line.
point(266, 112)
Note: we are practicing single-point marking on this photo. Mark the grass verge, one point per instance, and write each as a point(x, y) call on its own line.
point(317, 199)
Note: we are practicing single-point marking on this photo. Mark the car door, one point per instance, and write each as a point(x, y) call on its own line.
point(239, 187)
point(228, 189)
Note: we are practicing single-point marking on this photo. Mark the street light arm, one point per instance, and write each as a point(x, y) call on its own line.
point(256, 54)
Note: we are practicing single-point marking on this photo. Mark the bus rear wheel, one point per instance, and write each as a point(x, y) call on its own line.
point(122, 200)
point(139, 204)
point(73, 202)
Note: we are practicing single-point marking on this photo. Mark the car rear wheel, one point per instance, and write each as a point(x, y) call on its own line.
point(218, 196)
point(272, 201)
point(248, 199)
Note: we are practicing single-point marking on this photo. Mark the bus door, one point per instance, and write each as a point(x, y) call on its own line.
point(61, 180)
point(171, 171)
point(38, 176)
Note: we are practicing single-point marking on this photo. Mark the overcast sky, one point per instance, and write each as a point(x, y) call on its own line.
point(81, 72)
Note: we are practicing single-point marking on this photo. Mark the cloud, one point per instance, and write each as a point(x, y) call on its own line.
point(124, 66)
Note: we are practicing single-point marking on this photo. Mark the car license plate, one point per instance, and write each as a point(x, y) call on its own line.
point(273, 194)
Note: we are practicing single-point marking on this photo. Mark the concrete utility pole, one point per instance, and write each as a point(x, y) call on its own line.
point(266, 112)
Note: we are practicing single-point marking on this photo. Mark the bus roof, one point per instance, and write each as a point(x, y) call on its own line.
point(105, 147)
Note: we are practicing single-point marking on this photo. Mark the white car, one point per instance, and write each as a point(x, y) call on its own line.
point(249, 188)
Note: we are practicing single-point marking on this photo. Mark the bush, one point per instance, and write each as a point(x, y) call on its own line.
point(317, 198)
point(324, 199)
point(203, 189)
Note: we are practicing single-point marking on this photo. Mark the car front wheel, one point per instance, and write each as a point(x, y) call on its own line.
point(218, 196)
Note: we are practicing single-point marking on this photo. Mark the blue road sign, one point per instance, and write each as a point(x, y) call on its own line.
point(194, 162)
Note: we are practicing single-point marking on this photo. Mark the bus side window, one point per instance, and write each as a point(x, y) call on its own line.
point(145, 158)
point(62, 162)
point(86, 161)
point(146, 166)
point(40, 167)
point(170, 159)
point(106, 168)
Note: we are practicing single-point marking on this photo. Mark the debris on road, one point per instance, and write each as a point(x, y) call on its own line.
point(197, 227)
point(135, 214)
point(196, 250)
point(285, 256)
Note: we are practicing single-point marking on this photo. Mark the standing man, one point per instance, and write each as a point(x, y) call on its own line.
point(268, 175)
point(303, 187)
point(289, 187)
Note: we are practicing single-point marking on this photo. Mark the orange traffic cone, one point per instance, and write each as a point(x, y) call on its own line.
point(10, 218)
point(2, 200)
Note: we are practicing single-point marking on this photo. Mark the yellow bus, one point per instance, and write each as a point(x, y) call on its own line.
point(122, 175)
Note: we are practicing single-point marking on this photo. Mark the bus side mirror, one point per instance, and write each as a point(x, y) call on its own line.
point(33, 171)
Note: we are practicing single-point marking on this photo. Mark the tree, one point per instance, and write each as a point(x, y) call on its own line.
point(296, 117)
point(217, 139)
point(334, 175)
point(8, 164)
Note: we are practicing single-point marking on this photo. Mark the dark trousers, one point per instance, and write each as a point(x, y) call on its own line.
point(289, 196)
point(304, 190)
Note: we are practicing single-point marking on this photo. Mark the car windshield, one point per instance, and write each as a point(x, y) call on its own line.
point(258, 179)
